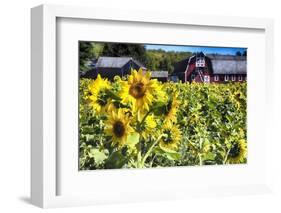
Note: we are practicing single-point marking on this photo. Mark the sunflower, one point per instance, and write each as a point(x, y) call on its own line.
point(148, 126)
point(99, 99)
point(237, 152)
point(118, 127)
point(139, 90)
point(171, 137)
point(170, 110)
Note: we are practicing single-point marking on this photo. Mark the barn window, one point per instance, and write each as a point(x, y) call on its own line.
point(216, 78)
point(226, 78)
point(200, 62)
point(233, 77)
point(240, 78)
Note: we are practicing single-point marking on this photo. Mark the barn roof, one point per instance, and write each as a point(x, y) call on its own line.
point(226, 57)
point(180, 66)
point(220, 64)
point(159, 74)
point(228, 64)
point(114, 62)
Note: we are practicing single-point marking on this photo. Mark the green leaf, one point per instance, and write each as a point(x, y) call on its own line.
point(173, 156)
point(167, 150)
point(133, 139)
point(111, 94)
point(209, 156)
point(98, 156)
point(170, 154)
point(115, 161)
point(89, 137)
point(158, 150)
point(159, 108)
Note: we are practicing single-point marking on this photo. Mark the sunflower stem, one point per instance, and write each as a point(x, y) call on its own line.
point(226, 156)
point(150, 149)
point(138, 129)
point(200, 159)
point(151, 162)
point(142, 121)
point(139, 156)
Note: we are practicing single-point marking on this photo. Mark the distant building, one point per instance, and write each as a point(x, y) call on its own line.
point(108, 67)
point(211, 68)
point(160, 75)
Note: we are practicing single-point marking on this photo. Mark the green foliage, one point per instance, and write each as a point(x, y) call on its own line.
point(116, 160)
point(85, 54)
point(99, 156)
point(211, 117)
point(152, 59)
point(133, 139)
point(162, 60)
point(136, 51)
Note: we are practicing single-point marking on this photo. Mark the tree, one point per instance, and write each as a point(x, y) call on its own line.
point(245, 53)
point(162, 60)
point(152, 59)
point(136, 51)
point(85, 54)
point(238, 53)
point(97, 49)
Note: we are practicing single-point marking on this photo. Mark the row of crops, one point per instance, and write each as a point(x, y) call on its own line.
point(140, 122)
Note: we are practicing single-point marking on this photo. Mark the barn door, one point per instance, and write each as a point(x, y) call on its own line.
point(206, 79)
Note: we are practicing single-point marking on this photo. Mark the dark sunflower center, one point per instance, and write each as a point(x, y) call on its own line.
point(137, 90)
point(119, 129)
point(102, 98)
point(167, 138)
point(234, 151)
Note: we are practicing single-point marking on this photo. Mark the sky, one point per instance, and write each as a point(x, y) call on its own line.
point(206, 50)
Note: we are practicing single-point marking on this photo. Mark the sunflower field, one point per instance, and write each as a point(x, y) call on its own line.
point(139, 122)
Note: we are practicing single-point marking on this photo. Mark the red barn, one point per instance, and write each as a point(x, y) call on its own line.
point(211, 68)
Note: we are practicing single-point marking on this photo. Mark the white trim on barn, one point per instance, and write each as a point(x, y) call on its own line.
point(216, 78)
point(226, 78)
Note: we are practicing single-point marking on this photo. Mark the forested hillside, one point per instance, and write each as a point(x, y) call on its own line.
point(151, 59)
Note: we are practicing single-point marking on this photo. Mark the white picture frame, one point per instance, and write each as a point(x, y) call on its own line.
point(44, 148)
